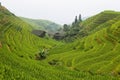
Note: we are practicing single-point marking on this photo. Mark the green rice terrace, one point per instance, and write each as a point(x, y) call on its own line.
point(95, 56)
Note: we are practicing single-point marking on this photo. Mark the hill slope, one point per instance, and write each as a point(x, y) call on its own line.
point(91, 25)
point(42, 24)
point(99, 21)
point(18, 48)
point(97, 53)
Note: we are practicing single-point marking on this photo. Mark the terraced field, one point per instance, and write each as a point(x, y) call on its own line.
point(97, 53)
point(95, 57)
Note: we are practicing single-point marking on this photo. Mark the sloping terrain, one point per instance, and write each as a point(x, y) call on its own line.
point(80, 29)
point(99, 21)
point(97, 53)
point(95, 57)
point(18, 48)
point(46, 25)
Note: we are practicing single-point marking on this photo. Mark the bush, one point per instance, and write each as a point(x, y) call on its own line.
point(41, 55)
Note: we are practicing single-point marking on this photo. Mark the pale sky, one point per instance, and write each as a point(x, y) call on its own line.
point(59, 11)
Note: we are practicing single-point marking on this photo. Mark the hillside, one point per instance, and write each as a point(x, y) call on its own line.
point(94, 57)
point(99, 21)
point(97, 53)
point(18, 48)
point(91, 25)
point(40, 24)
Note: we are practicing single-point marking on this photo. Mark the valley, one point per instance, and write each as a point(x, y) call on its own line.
point(93, 53)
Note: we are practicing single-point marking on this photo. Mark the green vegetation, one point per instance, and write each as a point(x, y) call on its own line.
point(72, 31)
point(80, 29)
point(92, 57)
point(40, 24)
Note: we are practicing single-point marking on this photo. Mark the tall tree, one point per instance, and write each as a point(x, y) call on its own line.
point(80, 17)
point(76, 20)
point(65, 27)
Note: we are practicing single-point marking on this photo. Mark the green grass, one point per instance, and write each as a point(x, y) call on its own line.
point(95, 57)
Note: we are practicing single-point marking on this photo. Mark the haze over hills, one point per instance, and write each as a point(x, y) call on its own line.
point(43, 25)
point(92, 55)
point(59, 11)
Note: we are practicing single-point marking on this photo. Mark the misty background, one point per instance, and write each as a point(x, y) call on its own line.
point(59, 11)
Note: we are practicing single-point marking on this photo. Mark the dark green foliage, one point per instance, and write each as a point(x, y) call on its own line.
point(80, 19)
point(76, 20)
point(66, 27)
point(43, 54)
point(72, 31)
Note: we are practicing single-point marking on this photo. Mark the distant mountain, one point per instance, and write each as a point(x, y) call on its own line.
point(40, 24)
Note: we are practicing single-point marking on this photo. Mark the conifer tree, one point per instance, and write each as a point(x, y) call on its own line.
point(80, 18)
point(76, 19)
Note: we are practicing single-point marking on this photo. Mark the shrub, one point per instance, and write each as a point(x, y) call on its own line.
point(41, 55)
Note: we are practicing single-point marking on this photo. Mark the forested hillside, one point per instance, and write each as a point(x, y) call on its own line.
point(40, 24)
